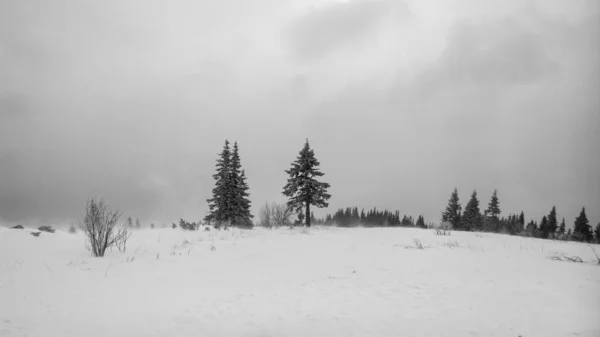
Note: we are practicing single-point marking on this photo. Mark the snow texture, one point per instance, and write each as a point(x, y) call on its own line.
point(301, 282)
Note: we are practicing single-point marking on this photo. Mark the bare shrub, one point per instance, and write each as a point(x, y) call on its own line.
point(281, 214)
point(72, 228)
point(418, 243)
point(265, 216)
point(47, 229)
point(101, 228)
point(274, 215)
point(443, 228)
point(565, 257)
point(452, 244)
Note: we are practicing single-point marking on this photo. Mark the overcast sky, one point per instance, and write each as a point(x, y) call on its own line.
point(401, 101)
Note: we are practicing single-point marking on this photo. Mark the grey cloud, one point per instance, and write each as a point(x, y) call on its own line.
point(335, 25)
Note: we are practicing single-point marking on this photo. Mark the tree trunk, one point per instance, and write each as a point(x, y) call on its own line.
point(307, 214)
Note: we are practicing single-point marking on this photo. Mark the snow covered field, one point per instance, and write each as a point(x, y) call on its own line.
point(320, 282)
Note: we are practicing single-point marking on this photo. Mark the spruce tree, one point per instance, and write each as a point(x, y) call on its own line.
point(220, 204)
point(420, 222)
point(569, 234)
point(597, 233)
point(452, 213)
point(552, 222)
point(561, 229)
point(582, 231)
point(471, 218)
point(521, 222)
point(240, 204)
point(544, 227)
point(302, 189)
point(363, 217)
point(493, 209)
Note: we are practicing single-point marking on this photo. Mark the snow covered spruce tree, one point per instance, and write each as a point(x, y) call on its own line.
point(471, 219)
point(240, 204)
point(302, 189)
point(230, 203)
point(453, 210)
point(492, 213)
point(552, 225)
point(219, 206)
point(582, 231)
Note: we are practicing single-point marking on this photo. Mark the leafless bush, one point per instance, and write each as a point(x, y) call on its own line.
point(452, 244)
point(274, 215)
point(101, 228)
point(265, 216)
point(565, 257)
point(418, 243)
point(72, 228)
point(443, 228)
point(281, 214)
point(47, 229)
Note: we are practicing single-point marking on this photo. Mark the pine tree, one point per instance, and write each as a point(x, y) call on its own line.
point(597, 233)
point(355, 216)
point(363, 217)
point(544, 227)
point(582, 231)
point(521, 222)
point(471, 218)
point(452, 214)
point(129, 222)
point(552, 222)
point(420, 222)
point(220, 204)
point(493, 210)
point(138, 225)
point(240, 204)
point(302, 189)
point(569, 235)
point(561, 229)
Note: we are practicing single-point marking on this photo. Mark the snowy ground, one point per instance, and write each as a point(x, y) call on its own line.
point(322, 282)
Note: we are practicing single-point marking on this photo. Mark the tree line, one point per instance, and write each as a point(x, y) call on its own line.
point(472, 219)
point(230, 205)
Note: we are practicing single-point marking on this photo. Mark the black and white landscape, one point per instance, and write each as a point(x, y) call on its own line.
point(300, 168)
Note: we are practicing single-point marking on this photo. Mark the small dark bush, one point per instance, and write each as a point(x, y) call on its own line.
point(174, 225)
point(188, 226)
point(17, 227)
point(36, 234)
point(48, 229)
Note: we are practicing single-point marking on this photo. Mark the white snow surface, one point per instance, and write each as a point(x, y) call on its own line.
point(302, 282)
